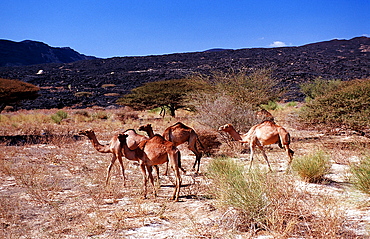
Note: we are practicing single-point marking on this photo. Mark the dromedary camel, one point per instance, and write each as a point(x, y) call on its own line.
point(152, 152)
point(113, 147)
point(179, 134)
point(133, 140)
point(265, 133)
point(149, 130)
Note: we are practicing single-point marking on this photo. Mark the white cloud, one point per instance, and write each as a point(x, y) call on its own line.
point(277, 44)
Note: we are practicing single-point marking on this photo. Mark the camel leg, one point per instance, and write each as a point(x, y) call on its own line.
point(123, 169)
point(290, 155)
point(251, 156)
point(114, 157)
point(265, 156)
point(166, 172)
point(145, 179)
point(174, 164)
point(192, 146)
point(150, 175)
point(157, 171)
point(197, 161)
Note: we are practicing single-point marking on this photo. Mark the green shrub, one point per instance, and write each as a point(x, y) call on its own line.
point(319, 87)
point(100, 115)
point(312, 167)
point(59, 116)
point(244, 191)
point(346, 106)
point(361, 175)
point(271, 105)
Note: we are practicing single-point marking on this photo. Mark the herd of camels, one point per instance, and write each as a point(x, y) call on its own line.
point(154, 149)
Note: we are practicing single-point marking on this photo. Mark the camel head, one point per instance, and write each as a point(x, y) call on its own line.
point(145, 127)
point(89, 133)
point(226, 128)
point(122, 138)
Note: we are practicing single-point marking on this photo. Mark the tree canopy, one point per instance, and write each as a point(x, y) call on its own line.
point(14, 91)
point(173, 94)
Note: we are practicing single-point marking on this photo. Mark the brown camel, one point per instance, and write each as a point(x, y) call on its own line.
point(179, 134)
point(152, 152)
point(149, 130)
point(113, 147)
point(265, 133)
point(133, 140)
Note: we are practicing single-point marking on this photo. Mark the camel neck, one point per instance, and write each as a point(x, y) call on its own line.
point(99, 147)
point(150, 133)
point(235, 135)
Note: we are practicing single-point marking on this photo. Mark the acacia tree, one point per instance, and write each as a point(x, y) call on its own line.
point(172, 94)
point(14, 91)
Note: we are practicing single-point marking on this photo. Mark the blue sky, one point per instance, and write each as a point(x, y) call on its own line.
point(155, 27)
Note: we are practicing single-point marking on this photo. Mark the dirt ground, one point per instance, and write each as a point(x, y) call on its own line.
point(58, 191)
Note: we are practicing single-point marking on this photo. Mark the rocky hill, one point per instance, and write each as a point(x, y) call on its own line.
point(101, 81)
point(32, 52)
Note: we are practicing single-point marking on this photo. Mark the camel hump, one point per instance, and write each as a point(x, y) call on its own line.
point(180, 124)
point(128, 131)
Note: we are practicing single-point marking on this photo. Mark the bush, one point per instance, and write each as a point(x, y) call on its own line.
point(319, 87)
point(361, 175)
point(256, 201)
point(59, 116)
point(14, 91)
point(246, 192)
point(217, 110)
point(312, 167)
point(347, 106)
point(233, 97)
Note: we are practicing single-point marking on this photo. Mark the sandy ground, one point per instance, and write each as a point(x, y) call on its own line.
point(58, 191)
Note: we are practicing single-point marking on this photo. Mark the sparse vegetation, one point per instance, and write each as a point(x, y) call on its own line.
point(361, 175)
point(312, 167)
point(344, 104)
point(59, 116)
point(319, 87)
point(14, 91)
point(55, 188)
point(263, 201)
point(172, 94)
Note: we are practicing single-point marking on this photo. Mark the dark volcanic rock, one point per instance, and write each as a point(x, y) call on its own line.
point(101, 81)
point(33, 52)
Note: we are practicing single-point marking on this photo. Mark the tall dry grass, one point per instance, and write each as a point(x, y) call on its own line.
point(57, 189)
point(260, 202)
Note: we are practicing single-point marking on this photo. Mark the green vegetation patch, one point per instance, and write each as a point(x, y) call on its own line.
point(346, 104)
point(361, 175)
point(312, 167)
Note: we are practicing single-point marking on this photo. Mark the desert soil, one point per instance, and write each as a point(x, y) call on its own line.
point(58, 191)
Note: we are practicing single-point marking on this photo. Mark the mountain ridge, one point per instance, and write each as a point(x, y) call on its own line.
point(106, 80)
point(30, 52)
